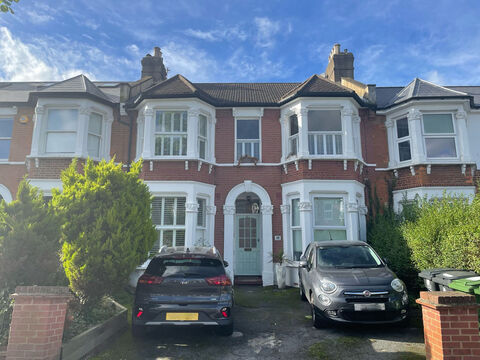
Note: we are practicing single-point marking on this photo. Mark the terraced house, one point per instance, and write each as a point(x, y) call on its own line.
point(253, 168)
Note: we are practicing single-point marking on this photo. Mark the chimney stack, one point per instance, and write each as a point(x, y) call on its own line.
point(153, 66)
point(340, 64)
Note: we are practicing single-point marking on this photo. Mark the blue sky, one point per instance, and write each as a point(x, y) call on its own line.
point(242, 41)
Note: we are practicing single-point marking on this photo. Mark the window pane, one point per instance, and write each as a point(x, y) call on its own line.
point(93, 145)
point(180, 211)
point(311, 144)
point(158, 121)
point(176, 146)
point(239, 150)
point(256, 150)
point(95, 124)
point(201, 149)
point(61, 142)
point(248, 148)
point(293, 145)
point(247, 129)
point(157, 210)
point(166, 146)
point(326, 235)
point(201, 215)
point(202, 128)
point(295, 213)
point(402, 128)
point(62, 119)
point(329, 144)
point(437, 124)
point(440, 147)
point(184, 145)
point(338, 145)
point(158, 145)
point(329, 212)
point(297, 244)
point(293, 125)
point(180, 238)
point(4, 149)
point(324, 120)
point(168, 211)
point(404, 150)
point(6, 126)
point(184, 121)
point(167, 237)
point(320, 144)
point(167, 119)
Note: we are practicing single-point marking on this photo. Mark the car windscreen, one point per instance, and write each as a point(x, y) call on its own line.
point(347, 257)
point(185, 267)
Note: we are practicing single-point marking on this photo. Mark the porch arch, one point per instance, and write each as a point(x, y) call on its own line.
point(5, 193)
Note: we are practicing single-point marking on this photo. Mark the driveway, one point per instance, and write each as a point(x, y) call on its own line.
point(272, 324)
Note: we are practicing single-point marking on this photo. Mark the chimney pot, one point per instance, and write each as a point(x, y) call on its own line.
point(336, 49)
point(156, 51)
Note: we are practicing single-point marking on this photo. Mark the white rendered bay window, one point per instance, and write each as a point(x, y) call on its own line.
point(325, 132)
point(329, 219)
point(248, 138)
point(168, 216)
point(171, 133)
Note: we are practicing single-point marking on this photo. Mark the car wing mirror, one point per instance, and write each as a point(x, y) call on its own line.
point(225, 263)
point(302, 263)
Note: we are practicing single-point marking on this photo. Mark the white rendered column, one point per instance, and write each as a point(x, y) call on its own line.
point(462, 138)
point(192, 134)
point(392, 157)
point(347, 125)
point(305, 209)
point(353, 223)
point(357, 136)
point(284, 136)
point(191, 211)
point(81, 148)
point(287, 241)
point(38, 119)
point(267, 248)
point(148, 130)
point(362, 211)
point(210, 235)
point(107, 136)
point(228, 238)
point(302, 117)
point(415, 129)
point(211, 138)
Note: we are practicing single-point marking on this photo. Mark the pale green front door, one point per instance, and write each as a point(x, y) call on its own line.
point(248, 251)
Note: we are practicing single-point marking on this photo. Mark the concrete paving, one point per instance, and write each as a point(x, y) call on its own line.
point(272, 324)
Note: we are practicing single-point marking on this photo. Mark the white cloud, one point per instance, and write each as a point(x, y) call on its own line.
point(218, 34)
point(435, 77)
point(266, 31)
point(37, 17)
point(133, 49)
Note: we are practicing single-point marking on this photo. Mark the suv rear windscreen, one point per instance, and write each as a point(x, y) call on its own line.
point(185, 267)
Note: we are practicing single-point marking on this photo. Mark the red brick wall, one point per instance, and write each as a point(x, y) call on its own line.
point(119, 141)
point(175, 170)
point(21, 143)
point(374, 138)
point(323, 169)
point(271, 136)
point(225, 136)
point(11, 175)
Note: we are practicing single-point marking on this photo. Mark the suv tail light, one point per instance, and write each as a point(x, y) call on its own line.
point(222, 280)
point(150, 279)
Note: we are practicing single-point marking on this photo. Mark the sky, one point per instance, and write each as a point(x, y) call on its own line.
point(242, 41)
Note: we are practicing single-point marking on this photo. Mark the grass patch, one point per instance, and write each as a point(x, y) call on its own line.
point(257, 297)
point(349, 341)
point(335, 348)
point(318, 351)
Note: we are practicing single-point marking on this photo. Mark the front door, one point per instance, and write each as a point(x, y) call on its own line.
point(247, 245)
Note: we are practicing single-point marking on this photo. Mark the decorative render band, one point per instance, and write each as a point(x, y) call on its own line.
point(305, 206)
point(228, 210)
point(191, 207)
point(285, 209)
point(211, 210)
point(267, 209)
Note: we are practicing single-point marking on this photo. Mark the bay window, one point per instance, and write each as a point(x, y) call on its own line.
point(325, 132)
point(6, 127)
point(248, 138)
point(61, 131)
point(329, 219)
point(171, 133)
point(296, 230)
point(94, 135)
point(439, 136)
point(293, 136)
point(202, 136)
point(168, 216)
point(403, 140)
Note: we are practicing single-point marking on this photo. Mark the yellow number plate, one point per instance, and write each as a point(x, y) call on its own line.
point(182, 316)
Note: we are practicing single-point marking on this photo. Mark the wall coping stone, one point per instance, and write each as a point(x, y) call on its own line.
point(42, 291)
point(446, 299)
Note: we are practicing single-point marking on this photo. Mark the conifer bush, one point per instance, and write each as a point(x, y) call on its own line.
point(107, 229)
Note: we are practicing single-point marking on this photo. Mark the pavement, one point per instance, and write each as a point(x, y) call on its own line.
point(272, 324)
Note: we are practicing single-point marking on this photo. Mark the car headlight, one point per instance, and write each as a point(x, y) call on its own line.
point(398, 285)
point(328, 286)
point(324, 300)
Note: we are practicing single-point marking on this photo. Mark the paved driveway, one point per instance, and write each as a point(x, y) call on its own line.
point(272, 324)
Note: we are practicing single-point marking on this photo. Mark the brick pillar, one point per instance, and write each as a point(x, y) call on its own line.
point(450, 321)
point(38, 318)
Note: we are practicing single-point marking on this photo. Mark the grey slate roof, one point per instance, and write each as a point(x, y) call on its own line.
point(79, 84)
point(417, 88)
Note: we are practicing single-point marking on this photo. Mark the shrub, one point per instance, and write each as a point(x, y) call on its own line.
point(29, 241)
point(107, 230)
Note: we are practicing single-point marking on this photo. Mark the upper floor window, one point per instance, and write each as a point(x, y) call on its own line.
point(439, 136)
point(293, 136)
point(329, 219)
point(171, 133)
point(403, 140)
point(202, 136)
point(248, 138)
point(6, 127)
point(61, 131)
point(325, 132)
point(94, 135)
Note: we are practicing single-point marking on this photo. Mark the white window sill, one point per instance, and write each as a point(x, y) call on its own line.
point(64, 156)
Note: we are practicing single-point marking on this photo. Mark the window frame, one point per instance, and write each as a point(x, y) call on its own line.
point(257, 118)
point(324, 135)
point(403, 139)
point(326, 227)
point(160, 228)
point(293, 137)
point(201, 137)
point(294, 228)
point(171, 134)
point(7, 138)
point(453, 136)
point(45, 131)
point(204, 217)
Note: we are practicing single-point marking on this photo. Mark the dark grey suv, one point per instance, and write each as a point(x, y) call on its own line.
point(184, 286)
point(346, 281)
